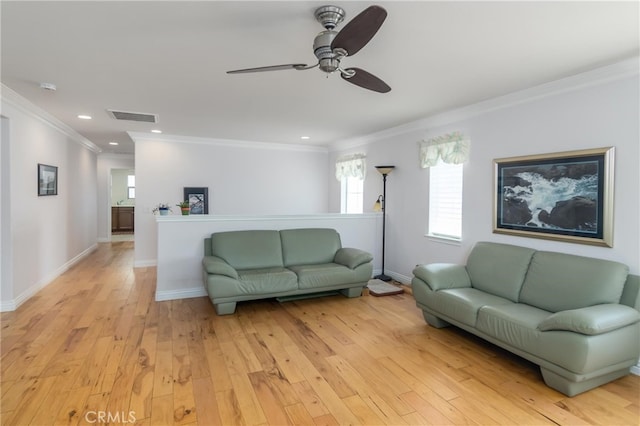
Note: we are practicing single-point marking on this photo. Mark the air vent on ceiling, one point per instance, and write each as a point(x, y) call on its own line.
point(134, 116)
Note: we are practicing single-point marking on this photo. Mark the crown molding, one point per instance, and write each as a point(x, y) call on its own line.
point(117, 156)
point(12, 98)
point(151, 137)
point(617, 71)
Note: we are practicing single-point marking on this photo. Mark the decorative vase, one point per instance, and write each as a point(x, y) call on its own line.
point(185, 211)
point(163, 212)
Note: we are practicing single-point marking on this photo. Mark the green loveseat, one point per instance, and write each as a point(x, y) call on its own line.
point(576, 317)
point(247, 265)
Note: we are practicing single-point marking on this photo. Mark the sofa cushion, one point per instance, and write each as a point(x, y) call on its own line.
point(248, 249)
point(591, 320)
point(267, 280)
point(499, 269)
point(462, 304)
point(330, 274)
point(309, 246)
point(515, 324)
point(559, 281)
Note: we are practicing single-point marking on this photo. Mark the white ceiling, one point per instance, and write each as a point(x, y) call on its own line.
point(170, 58)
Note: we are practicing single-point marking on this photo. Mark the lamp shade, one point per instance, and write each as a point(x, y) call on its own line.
point(377, 207)
point(385, 170)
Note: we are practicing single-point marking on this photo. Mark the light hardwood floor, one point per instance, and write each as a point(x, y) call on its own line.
point(94, 346)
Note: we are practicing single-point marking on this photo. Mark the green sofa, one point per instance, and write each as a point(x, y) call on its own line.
point(576, 317)
point(247, 265)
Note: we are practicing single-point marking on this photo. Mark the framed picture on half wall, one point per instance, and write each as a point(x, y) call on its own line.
point(198, 198)
point(565, 196)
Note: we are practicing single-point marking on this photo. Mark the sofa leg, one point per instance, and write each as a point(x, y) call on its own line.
point(570, 388)
point(352, 292)
point(434, 321)
point(225, 308)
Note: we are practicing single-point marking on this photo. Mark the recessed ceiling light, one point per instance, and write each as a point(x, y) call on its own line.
point(305, 137)
point(84, 117)
point(156, 131)
point(48, 86)
point(113, 143)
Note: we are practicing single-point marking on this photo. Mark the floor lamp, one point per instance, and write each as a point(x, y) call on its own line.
point(381, 205)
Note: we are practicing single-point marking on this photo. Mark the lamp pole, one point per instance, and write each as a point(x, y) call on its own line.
point(384, 171)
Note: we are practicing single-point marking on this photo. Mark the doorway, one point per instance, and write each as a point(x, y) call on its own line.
point(123, 203)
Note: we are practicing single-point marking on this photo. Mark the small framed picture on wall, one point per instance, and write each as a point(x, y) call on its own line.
point(47, 180)
point(198, 198)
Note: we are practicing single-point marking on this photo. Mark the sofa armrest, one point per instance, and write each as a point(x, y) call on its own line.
point(217, 266)
point(440, 276)
point(591, 320)
point(352, 257)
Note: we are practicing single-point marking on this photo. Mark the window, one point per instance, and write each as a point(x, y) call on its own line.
point(445, 200)
point(352, 195)
point(443, 156)
point(350, 172)
point(131, 186)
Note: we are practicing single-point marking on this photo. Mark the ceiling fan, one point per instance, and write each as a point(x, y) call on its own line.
point(331, 46)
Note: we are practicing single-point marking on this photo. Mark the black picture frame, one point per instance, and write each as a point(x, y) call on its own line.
point(198, 198)
point(47, 180)
point(565, 196)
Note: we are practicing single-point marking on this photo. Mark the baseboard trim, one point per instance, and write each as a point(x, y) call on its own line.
point(8, 306)
point(396, 276)
point(187, 293)
point(400, 278)
point(12, 305)
point(144, 263)
point(636, 369)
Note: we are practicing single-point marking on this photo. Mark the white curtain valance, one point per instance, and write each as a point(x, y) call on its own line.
point(451, 148)
point(351, 166)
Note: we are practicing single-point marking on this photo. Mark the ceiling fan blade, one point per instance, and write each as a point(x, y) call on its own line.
point(357, 33)
point(366, 80)
point(271, 68)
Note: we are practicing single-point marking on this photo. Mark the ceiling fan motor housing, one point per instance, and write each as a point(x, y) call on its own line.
point(327, 59)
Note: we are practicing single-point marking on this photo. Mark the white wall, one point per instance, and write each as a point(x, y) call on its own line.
point(6, 287)
point(594, 110)
point(47, 234)
point(243, 178)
